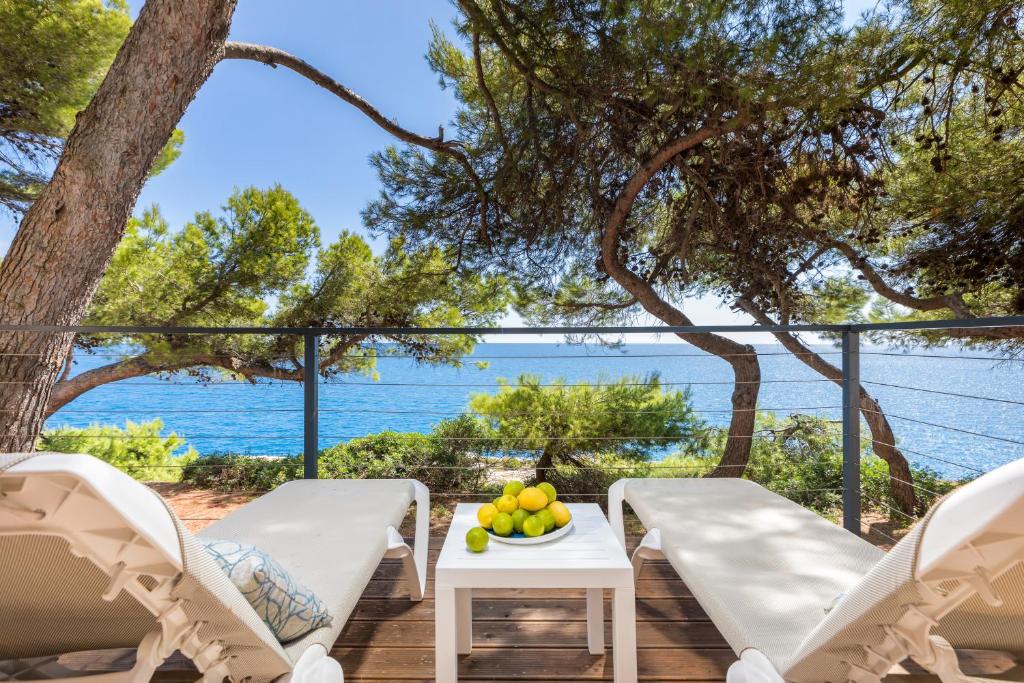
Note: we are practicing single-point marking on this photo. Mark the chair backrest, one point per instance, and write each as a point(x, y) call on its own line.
point(958, 575)
point(92, 559)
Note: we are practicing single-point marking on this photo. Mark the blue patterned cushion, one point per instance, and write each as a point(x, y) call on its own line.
point(290, 610)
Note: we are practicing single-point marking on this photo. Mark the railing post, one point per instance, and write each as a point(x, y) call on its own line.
point(310, 405)
point(851, 431)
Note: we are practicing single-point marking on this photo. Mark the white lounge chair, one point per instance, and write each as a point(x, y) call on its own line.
point(800, 599)
point(90, 559)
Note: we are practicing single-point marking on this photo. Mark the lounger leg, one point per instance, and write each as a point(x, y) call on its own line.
point(649, 549)
point(624, 635)
point(464, 619)
point(595, 620)
point(446, 660)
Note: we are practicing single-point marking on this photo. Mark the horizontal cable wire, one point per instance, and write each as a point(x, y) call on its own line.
point(926, 455)
point(945, 393)
point(875, 501)
point(941, 426)
point(440, 413)
point(567, 385)
point(624, 356)
point(998, 359)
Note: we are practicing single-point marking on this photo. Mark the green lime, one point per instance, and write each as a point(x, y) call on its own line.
point(518, 517)
point(495, 501)
point(502, 524)
point(476, 539)
point(514, 488)
point(548, 519)
point(549, 491)
point(533, 526)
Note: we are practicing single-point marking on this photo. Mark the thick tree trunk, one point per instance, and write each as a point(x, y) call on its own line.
point(68, 236)
point(543, 465)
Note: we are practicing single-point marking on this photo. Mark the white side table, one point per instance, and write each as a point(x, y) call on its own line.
point(588, 557)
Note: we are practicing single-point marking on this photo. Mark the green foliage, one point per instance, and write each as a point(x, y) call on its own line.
point(53, 56)
point(444, 460)
point(259, 262)
point(236, 472)
point(139, 449)
point(564, 422)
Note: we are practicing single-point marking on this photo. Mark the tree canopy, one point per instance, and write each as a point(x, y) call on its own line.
point(53, 56)
point(260, 262)
point(564, 423)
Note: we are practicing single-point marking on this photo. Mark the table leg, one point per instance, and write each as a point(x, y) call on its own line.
point(446, 661)
point(464, 619)
point(624, 635)
point(595, 620)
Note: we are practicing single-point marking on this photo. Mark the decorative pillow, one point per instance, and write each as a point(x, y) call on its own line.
point(288, 609)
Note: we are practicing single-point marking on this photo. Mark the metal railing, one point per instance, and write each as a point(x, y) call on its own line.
point(849, 334)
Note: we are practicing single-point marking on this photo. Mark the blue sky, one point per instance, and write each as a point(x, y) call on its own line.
point(252, 125)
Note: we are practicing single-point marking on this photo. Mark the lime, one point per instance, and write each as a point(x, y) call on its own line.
point(507, 504)
point(518, 517)
point(548, 490)
point(485, 515)
point(513, 488)
point(476, 539)
point(560, 513)
point(502, 524)
point(533, 526)
point(532, 499)
point(495, 501)
point(548, 519)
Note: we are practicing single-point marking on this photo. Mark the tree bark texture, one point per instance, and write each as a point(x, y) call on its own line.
point(66, 239)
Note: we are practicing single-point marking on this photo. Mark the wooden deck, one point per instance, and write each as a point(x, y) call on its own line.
point(534, 635)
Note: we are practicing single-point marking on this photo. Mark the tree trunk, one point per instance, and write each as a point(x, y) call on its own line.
point(883, 441)
point(543, 466)
point(68, 236)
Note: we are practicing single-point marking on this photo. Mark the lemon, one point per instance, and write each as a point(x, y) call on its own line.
point(560, 513)
point(476, 539)
point(502, 524)
point(548, 490)
point(513, 488)
point(548, 519)
point(485, 515)
point(532, 499)
point(507, 504)
point(533, 526)
point(518, 517)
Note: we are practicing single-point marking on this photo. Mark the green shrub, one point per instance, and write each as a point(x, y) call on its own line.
point(237, 472)
point(138, 449)
point(445, 460)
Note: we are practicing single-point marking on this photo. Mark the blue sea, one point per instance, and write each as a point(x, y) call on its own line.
point(956, 435)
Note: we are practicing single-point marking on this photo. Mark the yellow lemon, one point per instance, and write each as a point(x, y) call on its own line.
point(507, 504)
point(513, 488)
point(560, 513)
point(548, 490)
point(533, 499)
point(533, 526)
point(485, 515)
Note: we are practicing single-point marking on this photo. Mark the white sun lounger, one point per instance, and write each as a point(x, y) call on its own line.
point(800, 599)
point(90, 559)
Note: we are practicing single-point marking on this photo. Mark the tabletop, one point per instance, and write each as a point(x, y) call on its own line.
point(589, 555)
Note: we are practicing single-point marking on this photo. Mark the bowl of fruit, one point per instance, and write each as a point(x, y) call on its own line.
point(525, 515)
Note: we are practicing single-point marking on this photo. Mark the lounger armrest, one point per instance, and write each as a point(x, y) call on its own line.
point(414, 559)
point(616, 497)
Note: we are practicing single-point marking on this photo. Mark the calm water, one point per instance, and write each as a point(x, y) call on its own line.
point(267, 418)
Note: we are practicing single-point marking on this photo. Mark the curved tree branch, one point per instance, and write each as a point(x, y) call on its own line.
point(742, 357)
point(492, 106)
point(273, 57)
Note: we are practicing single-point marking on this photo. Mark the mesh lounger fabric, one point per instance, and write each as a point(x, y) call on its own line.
point(52, 603)
point(328, 534)
point(764, 568)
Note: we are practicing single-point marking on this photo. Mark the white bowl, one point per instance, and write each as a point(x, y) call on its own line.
point(520, 539)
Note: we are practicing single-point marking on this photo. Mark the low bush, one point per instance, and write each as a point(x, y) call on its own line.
point(139, 449)
point(237, 472)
